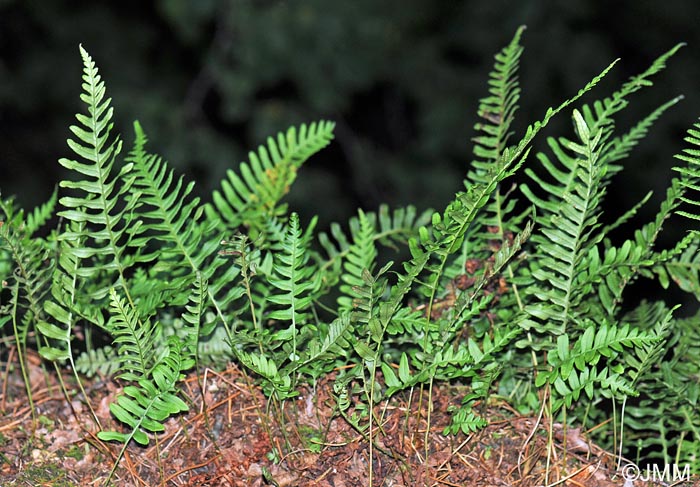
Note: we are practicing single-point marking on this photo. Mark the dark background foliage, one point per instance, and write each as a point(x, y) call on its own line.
point(210, 79)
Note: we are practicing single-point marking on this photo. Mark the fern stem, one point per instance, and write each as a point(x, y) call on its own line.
point(21, 349)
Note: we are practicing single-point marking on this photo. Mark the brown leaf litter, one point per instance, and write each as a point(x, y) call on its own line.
point(234, 436)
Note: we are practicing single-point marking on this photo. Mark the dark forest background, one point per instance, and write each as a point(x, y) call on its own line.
point(210, 79)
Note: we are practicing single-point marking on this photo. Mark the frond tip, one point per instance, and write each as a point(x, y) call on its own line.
point(252, 196)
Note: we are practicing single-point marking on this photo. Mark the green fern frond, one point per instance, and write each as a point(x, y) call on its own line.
point(41, 214)
point(390, 229)
point(572, 206)
point(360, 258)
point(253, 267)
point(573, 368)
point(498, 109)
point(275, 382)
point(96, 199)
point(322, 355)
point(98, 361)
point(182, 244)
point(28, 278)
point(172, 221)
point(136, 342)
point(170, 214)
point(64, 307)
point(650, 354)
point(31, 267)
point(600, 116)
point(294, 283)
point(449, 229)
point(611, 273)
point(464, 308)
point(292, 275)
point(620, 147)
point(252, 197)
point(685, 269)
point(194, 315)
point(145, 407)
point(670, 393)
point(690, 173)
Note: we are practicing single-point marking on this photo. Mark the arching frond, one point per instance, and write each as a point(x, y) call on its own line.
point(252, 196)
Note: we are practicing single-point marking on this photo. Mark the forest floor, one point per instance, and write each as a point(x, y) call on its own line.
point(227, 440)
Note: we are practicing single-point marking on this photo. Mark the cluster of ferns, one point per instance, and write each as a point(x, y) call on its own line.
point(514, 290)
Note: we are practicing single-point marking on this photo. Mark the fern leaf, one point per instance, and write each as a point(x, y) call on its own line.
point(135, 341)
point(64, 305)
point(194, 315)
point(146, 407)
point(620, 147)
point(361, 258)
point(41, 214)
point(170, 218)
point(32, 265)
point(102, 361)
point(498, 109)
point(390, 229)
point(573, 204)
point(650, 354)
point(184, 246)
point(685, 268)
point(96, 196)
point(253, 196)
point(690, 173)
point(292, 276)
point(448, 230)
point(323, 355)
point(573, 369)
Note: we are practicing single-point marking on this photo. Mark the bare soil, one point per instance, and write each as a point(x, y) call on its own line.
point(230, 438)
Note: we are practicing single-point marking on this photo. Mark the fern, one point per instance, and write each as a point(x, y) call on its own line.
point(669, 393)
point(145, 407)
point(567, 233)
point(497, 112)
point(31, 277)
point(572, 368)
point(690, 174)
point(178, 281)
point(97, 195)
point(183, 246)
point(251, 198)
point(293, 284)
point(194, 315)
point(498, 109)
point(29, 281)
point(390, 229)
point(102, 361)
point(360, 259)
point(136, 341)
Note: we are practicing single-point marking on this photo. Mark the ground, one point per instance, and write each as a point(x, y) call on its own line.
point(227, 439)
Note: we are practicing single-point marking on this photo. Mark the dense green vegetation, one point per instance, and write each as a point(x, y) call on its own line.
point(512, 289)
